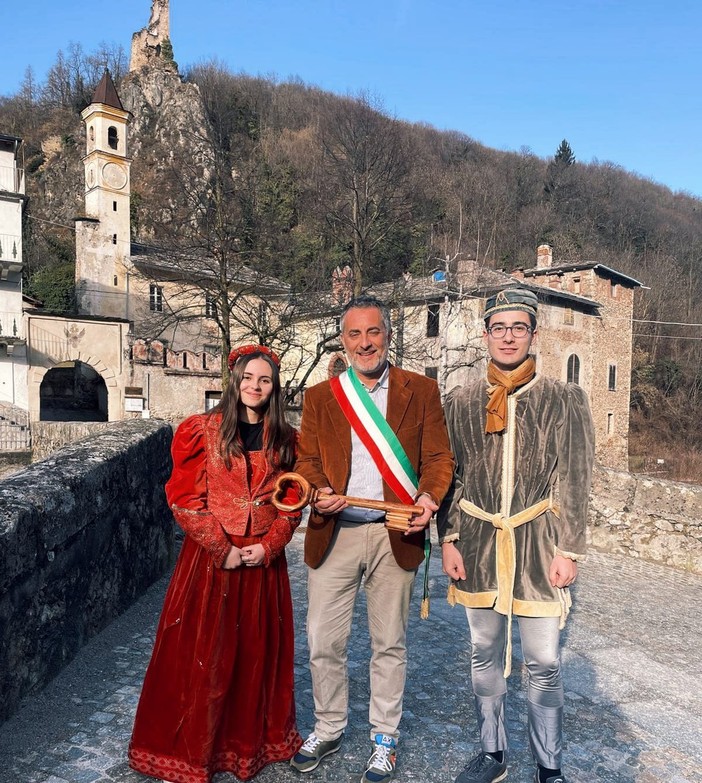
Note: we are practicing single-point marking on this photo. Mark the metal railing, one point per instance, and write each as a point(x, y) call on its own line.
point(11, 179)
point(14, 438)
point(15, 434)
point(13, 414)
point(10, 247)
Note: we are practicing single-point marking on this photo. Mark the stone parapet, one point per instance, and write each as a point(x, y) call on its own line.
point(648, 518)
point(82, 534)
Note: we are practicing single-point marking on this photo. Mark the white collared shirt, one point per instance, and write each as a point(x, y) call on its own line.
point(365, 480)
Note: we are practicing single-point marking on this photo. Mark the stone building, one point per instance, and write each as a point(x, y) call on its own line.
point(586, 337)
point(585, 332)
point(149, 42)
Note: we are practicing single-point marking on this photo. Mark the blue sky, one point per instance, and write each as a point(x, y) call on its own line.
point(620, 79)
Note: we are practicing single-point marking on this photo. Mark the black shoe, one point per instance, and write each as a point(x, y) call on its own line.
point(484, 768)
point(552, 779)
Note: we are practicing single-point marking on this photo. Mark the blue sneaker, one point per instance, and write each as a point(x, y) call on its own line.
point(313, 750)
point(381, 764)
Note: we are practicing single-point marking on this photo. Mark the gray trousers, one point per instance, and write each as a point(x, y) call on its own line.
point(359, 553)
point(540, 647)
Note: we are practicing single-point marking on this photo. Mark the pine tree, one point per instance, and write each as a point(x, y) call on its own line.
point(564, 154)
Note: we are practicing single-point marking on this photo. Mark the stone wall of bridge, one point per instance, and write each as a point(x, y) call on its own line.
point(648, 518)
point(82, 534)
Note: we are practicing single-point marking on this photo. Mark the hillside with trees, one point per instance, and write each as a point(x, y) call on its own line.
point(293, 181)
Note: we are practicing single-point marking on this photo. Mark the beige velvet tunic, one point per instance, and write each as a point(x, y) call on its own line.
point(549, 441)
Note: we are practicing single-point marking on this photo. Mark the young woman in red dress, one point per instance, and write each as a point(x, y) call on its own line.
point(218, 693)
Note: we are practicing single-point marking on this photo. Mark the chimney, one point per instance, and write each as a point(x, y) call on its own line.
point(544, 256)
point(342, 285)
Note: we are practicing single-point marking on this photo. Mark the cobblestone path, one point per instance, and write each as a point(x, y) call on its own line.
point(632, 660)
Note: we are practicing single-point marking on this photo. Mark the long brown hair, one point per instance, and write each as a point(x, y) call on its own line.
point(278, 435)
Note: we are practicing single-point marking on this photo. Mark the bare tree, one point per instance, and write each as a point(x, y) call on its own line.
point(365, 166)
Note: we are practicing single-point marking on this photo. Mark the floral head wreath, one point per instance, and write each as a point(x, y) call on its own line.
point(245, 350)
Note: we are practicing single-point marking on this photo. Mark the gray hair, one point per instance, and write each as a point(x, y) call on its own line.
point(364, 302)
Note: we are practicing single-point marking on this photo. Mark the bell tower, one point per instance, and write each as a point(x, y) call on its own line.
point(103, 233)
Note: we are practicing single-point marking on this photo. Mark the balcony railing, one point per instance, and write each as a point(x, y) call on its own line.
point(11, 179)
point(11, 325)
point(10, 247)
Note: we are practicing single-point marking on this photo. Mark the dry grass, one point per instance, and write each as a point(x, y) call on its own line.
point(665, 460)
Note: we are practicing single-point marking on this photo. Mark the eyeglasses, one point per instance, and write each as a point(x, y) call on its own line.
point(500, 330)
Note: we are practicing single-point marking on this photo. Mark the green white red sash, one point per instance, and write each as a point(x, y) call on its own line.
point(375, 434)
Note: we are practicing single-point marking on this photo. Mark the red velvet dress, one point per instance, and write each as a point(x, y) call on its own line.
point(219, 691)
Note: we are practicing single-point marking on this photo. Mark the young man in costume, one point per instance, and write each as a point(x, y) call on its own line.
point(508, 545)
point(376, 432)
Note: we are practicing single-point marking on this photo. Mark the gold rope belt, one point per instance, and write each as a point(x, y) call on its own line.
point(507, 556)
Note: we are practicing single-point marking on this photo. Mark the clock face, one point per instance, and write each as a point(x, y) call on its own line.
point(114, 175)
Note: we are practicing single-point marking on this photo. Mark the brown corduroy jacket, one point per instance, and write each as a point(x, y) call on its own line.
point(415, 415)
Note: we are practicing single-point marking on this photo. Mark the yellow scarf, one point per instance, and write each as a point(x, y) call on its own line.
point(502, 384)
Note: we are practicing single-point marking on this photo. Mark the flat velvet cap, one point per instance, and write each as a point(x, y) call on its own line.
point(511, 299)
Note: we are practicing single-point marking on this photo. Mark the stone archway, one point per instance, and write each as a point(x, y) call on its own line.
point(73, 391)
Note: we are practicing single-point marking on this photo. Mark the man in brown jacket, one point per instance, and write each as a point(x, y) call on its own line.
point(396, 450)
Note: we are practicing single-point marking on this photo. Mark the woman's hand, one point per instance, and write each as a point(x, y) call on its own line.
point(253, 555)
point(233, 559)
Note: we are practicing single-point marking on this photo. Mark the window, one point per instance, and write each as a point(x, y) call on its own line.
point(212, 398)
point(114, 206)
point(612, 382)
point(568, 317)
point(610, 423)
point(573, 375)
point(433, 320)
point(155, 298)
point(210, 306)
point(114, 239)
point(114, 280)
point(614, 290)
point(112, 137)
point(576, 285)
point(209, 352)
point(185, 360)
point(263, 314)
point(432, 372)
point(336, 366)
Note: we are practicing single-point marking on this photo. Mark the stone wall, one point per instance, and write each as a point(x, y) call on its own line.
point(82, 534)
point(648, 518)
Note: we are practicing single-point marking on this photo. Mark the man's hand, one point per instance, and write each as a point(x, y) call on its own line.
point(330, 503)
point(417, 524)
point(563, 571)
point(452, 561)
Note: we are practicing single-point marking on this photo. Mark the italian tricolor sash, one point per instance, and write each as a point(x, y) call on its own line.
point(375, 434)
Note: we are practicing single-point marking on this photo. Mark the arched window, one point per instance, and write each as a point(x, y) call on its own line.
point(112, 137)
point(573, 369)
point(336, 365)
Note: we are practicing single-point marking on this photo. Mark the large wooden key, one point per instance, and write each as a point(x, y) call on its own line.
point(397, 515)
